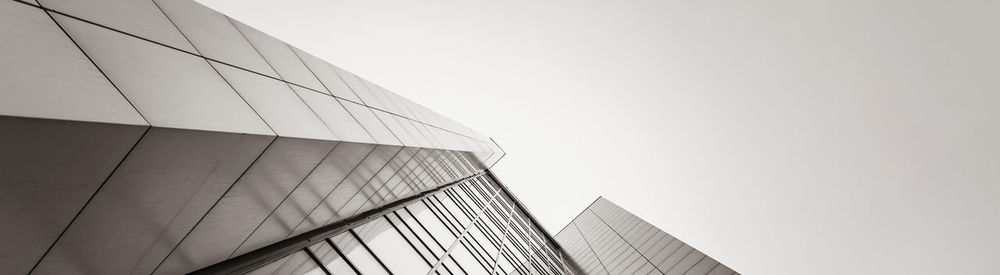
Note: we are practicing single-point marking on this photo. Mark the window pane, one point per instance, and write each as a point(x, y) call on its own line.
point(504, 265)
point(468, 263)
point(386, 243)
point(431, 223)
point(448, 266)
point(471, 203)
point(408, 221)
point(481, 242)
point(452, 210)
point(357, 254)
point(423, 245)
point(330, 258)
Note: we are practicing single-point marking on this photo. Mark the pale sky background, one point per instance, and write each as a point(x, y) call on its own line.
point(779, 137)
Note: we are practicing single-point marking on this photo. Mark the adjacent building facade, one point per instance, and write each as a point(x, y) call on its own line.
point(606, 239)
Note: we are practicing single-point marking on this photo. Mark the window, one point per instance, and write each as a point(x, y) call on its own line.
point(386, 243)
point(358, 254)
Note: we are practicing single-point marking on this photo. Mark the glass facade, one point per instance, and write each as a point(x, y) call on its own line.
point(473, 227)
point(606, 239)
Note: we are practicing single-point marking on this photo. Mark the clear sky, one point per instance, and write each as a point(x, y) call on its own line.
point(779, 137)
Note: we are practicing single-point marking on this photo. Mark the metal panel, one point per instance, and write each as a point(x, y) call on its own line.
point(360, 177)
point(378, 95)
point(687, 263)
point(703, 267)
point(281, 58)
point(384, 194)
point(391, 100)
point(666, 252)
point(327, 74)
point(330, 172)
point(214, 35)
point(168, 182)
point(414, 181)
point(335, 116)
point(49, 169)
point(435, 135)
point(277, 104)
point(324, 212)
point(375, 127)
point(361, 199)
point(410, 125)
point(392, 122)
point(432, 141)
point(295, 262)
point(271, 178)
point(45, 75)
point(170, 88)
point(406, 184)
point(139, 18)
point(721, 270)
point(358, 86)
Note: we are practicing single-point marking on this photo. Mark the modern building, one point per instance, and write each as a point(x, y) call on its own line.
point(141, 136)
point(606, 239)
point(162, 137)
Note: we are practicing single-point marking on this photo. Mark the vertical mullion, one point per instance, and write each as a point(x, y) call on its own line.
point(444, 219)
point(452, 215)
point(460, 204)
point(496, 262)
point(370, 252)
point(474, 252)
point(438, 243)
point(421, 225)
point(461, 236)
point(317, 261)
point(342, 256)
point(414, 247)
point(414, 233)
